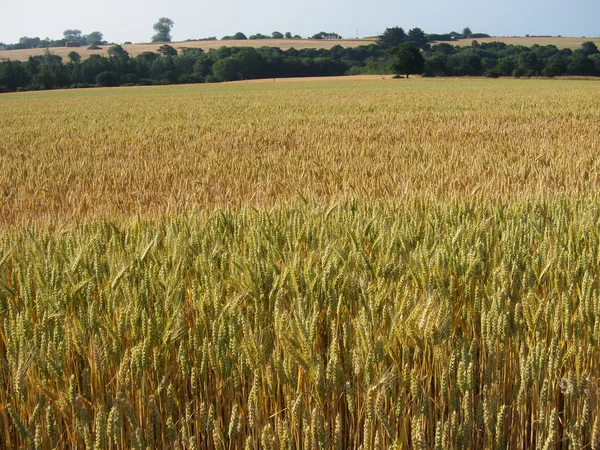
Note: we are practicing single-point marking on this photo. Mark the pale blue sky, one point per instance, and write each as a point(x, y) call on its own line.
point(132, 20)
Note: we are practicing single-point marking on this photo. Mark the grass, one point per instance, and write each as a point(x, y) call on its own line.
point(336, 263)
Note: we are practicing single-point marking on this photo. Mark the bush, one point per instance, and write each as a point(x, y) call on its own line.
point(81, 86)
point(493, 73)
point(517, 73)
point(4, 90)
point(107, 79)
point(190, 78)
point(129, 78)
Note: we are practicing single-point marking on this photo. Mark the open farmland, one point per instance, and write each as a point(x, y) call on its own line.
point(336, 263)
point(162, 150)
point(136, 49)
point(560, 42)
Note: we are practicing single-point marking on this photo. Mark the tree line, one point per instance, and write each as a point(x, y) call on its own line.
point(94, 38)
point(391, 54)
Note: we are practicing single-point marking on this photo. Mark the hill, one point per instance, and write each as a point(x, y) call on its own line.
point(136, 49)
point(560, 42)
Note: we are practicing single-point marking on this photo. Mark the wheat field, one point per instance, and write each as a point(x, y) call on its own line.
point(358, 263)
point(162, 150)
point(560, 42)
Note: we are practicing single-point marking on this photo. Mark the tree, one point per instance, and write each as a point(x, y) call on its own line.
point(228, 69)
point(116, 52)
point(392, 37)
point(417, 37)
point(239, 36)
point(580, 64)
point(163, 30)
point(277, 35)
point(72, 35)
point(529, 62)
point(407, 60)
point(167, 50)
point(95, 38)
point(74, 57)
point(107, 79)
point(288, 35)
point(466, 33)
point(589, 48)
point(27, 42)
point(555, 66)
point(324, 34)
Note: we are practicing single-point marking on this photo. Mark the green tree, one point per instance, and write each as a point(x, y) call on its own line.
point(529, 62)
point(288, 35)
point(417, 37)
point(407, 60)
point(118, 52)
point(589, 48)
point(74, 57)
point(167, 50)
point(163, 30)
point(277, 35)
point(392, 37)
point(72, 35)
point(555, 66)
point(95, 38)
point(239, 36)
point(325, 34)
point(228, 69)
point(580, 64)
point(107, 79)
point(466, 33)
point(507, 65)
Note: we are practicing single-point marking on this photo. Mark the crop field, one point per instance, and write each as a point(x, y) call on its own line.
point(561, 42)
point(136, 49)
point(301, 264)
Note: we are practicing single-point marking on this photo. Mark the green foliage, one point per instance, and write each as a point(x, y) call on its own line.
point(163, 30)
point(107, 79)
point(228, 69)
point(74, 57)
point(417, 38)
point(407, 60)
point(72, 35)
point(95, 38)
point(167, 50)
point(326, 35)
point(392, 37)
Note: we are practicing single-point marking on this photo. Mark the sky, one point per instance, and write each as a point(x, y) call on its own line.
point(132, 20)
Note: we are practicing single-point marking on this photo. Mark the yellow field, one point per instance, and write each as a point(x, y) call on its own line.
point(350, 263)
point(560, 42)
point(150, 151)
point(136, 49)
